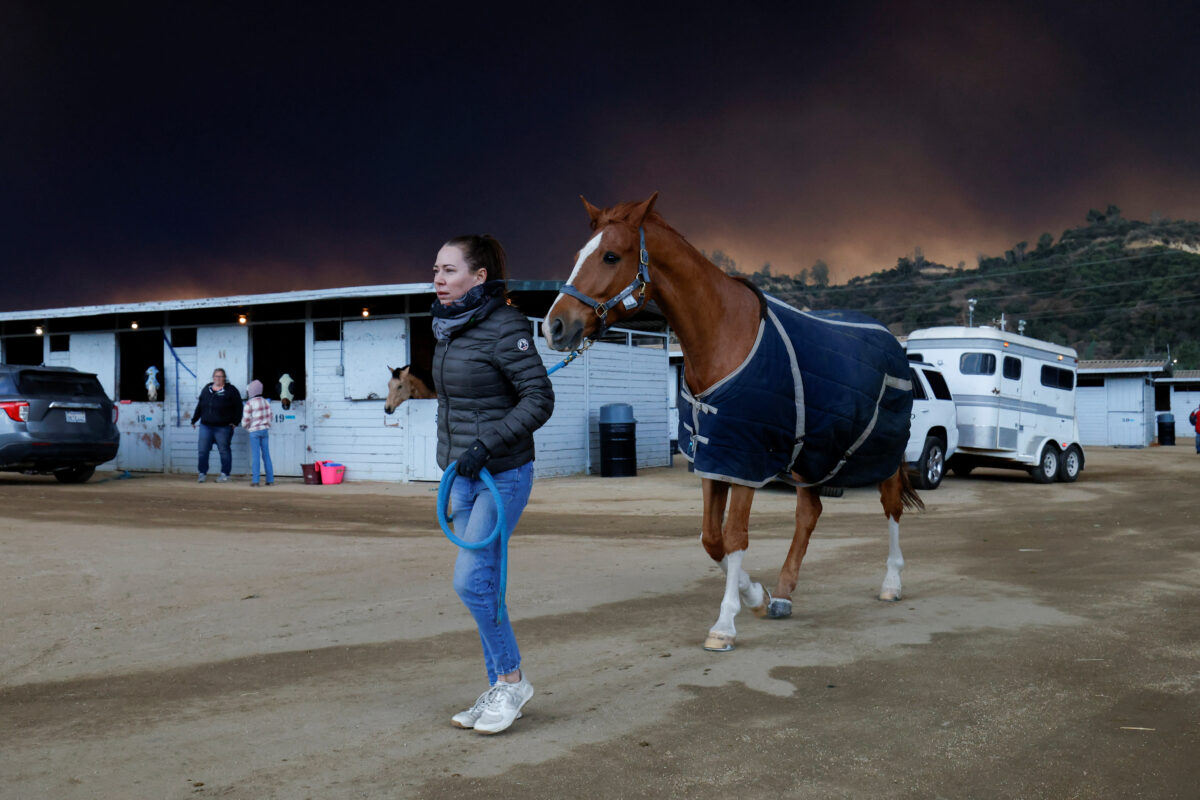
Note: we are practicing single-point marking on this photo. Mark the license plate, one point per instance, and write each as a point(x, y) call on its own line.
point(76, 416)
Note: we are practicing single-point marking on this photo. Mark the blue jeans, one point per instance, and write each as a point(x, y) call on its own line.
point(222, 436)
point(1198, 442)
point(260, 442)
point(477, 572)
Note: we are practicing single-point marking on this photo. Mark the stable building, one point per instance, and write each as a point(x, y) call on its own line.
point(324, 358)
point(1116, 401)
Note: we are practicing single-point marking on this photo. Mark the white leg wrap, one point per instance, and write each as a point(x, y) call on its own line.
point(750, 591)
point(895, 563)
point(730, 603)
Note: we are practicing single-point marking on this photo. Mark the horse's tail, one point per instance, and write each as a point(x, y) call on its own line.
point(908, 495)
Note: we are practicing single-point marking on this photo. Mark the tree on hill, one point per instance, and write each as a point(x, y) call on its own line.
point(820, 274)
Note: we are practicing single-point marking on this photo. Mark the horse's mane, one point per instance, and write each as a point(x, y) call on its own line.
point(621, 212)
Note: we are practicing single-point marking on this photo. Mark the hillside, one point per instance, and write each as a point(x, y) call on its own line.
point(1114, 288)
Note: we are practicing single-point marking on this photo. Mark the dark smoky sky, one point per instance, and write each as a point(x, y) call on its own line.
point(166, 150)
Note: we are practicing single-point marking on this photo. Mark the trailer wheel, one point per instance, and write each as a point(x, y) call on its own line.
point(1046, 469)
point(932, 466)
point(961, 468)
point(1072, 463)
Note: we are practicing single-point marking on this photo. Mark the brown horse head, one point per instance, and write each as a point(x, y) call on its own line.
point(403, 385)
point(605, 266)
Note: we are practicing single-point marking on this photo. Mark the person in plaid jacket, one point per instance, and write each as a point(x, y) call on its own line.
point(256, 418)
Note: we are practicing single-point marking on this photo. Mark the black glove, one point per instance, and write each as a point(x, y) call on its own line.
point(473, 459)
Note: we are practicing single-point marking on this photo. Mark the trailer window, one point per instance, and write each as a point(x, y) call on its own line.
point(1012, 368)
point(918, 389)
point(1057, 378)
point(915, 357)
point(977, 364)
point(936, 382)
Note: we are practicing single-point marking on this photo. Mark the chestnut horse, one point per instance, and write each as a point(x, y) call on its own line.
point(403, 385)
point(634, 257)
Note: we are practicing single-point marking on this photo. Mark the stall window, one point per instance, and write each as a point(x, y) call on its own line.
point(977, 364)
point(1012, 368)
point(277, 350)
point(23, 350)
point(139, 351)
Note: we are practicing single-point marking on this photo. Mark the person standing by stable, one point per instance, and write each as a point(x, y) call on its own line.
point(493, 393)
point(218, 411)
point(1194, 418)
point(256, 418)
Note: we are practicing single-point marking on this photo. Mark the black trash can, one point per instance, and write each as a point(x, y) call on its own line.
point(1166, 430)
point(618, 441)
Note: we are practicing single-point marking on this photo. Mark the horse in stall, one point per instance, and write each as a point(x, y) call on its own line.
point(819, 399)
point(404, 385)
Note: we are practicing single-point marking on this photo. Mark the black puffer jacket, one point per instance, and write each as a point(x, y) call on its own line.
point(219, 409)
point(491, 386)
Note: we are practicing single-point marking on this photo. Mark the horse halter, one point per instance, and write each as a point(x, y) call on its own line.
point(625, 297)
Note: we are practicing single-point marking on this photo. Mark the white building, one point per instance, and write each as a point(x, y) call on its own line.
point(1115, 401)
point(336, 345)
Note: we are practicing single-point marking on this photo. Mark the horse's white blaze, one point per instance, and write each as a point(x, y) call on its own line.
point(895, 563)
point(587, 250)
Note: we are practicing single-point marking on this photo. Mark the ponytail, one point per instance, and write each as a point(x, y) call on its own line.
point(483, 252)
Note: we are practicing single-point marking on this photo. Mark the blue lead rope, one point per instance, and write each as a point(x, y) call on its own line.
point(501, 531)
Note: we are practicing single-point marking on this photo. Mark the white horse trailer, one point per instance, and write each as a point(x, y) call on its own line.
point(1015, 397)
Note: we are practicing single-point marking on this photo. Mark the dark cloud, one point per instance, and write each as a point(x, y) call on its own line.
point(152, 151)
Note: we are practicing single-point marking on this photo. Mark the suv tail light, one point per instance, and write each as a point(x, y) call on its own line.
point(115, 414)
point(17, 410)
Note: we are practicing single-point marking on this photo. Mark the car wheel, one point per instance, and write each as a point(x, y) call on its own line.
point(932, 466)
point(1072, 463)
point(1047, 467)
point(74, 474)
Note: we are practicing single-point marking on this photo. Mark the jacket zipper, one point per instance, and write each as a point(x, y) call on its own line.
point(442, 382)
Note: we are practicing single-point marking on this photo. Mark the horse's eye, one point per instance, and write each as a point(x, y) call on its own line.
point(611, 258)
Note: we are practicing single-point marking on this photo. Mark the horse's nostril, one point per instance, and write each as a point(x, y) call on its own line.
point(556, 329)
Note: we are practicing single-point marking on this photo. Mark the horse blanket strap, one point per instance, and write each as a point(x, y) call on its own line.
point(826, 394)
point(625, 296)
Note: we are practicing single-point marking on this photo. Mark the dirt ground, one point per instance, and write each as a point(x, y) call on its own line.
point(163, 639)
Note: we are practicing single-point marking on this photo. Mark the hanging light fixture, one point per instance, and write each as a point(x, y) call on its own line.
point(366, 312)
point(133, 324)
point(241, 319)
point(38, 330)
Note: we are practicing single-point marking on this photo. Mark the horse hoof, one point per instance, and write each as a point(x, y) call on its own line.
point(890, 595)
point(761, 610)
point(718, 642)
point(779, 608)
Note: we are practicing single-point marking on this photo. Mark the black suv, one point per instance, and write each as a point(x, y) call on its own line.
point(56, 420)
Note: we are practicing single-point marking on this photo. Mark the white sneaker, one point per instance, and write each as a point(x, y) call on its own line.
point(503, 705)
point(468, 718)
point(201, 478)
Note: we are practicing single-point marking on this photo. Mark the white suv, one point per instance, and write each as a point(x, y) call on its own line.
point(933, 436)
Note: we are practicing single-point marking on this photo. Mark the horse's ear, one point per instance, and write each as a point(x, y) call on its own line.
point(593, 212)
point(643, 210)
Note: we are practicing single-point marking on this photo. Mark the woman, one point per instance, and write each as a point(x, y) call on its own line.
point(218, 411)
point(256, 418)
point(493, 393)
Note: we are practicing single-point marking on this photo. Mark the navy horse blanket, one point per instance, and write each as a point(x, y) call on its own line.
point(827, 395)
